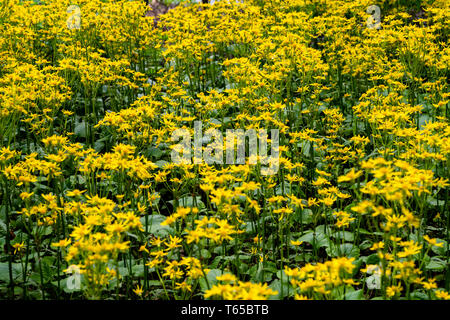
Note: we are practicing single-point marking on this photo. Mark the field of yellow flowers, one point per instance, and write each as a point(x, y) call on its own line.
point(93, 207)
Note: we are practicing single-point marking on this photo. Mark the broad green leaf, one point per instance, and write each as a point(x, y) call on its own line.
point(211, 277)
point(354, 295)
point(155, 227)
point(440, 250)
point(436, 264)
point(317, 239)
point(80, 129)
point(16, 271)
point(348, 236)
point(342, 250)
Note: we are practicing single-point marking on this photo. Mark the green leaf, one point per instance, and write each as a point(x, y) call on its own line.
point(216, 262)
point(435, 202)
point(306, 216)
point(276, 286)
point(317, 240)
point(99, 145)
point(279, 189)
point(366, 244)
point(155, 227)
point(48, 268)
point(373, 259)
point(282, 274)
point(80, 129)
point(345, 249)
point(154, 283)
point(348, 236)
point(436, 264)
point(124, 271)
point(138, 270)
point(243, 267)
point(440, 250)
point(2, 228)
point(205, 254)
point(188, 201)
point(354, 295)
point(211, 276)
point(16, 271)
point(258, 275)
point(156, 153)
point(78, 179)
point(161, 163)
point(419, 295)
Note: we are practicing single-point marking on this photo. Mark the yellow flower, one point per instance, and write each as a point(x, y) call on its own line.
point(433, 241)
point(143, 248)
point(350, 176)
point(441, 294)
point(391, 291)
point(62, 243)
point(25, 195)
point(429, 284)
point(227, 277)
point(183, 286)
point(18, 247)
point(296, 243)
point(257, 239)
point(75, 193)
point(138, 290)
point(376, 246)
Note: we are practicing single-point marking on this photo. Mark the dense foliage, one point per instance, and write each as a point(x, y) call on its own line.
point(358, 209)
